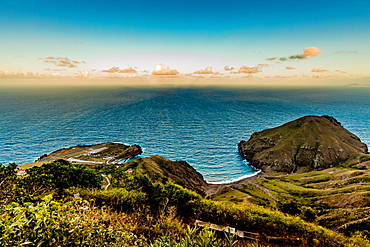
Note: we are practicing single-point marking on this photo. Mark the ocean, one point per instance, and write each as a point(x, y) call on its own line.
point(199, 125)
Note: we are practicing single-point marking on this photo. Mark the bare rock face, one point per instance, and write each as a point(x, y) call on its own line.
point(306, 144)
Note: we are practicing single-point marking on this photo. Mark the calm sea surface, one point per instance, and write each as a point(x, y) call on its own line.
point(200, 126)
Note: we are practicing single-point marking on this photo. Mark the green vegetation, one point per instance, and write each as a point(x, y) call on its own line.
point(52, 177)
point(160, 170)
point(337, 198)
point(51, 223)
point(40, 209)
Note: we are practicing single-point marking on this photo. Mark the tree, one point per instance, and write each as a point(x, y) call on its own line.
point(291, 207)
point(8, 178)
point(60, 175)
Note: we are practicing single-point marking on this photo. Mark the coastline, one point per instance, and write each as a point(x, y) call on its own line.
point(213, 189)
point(235, 180)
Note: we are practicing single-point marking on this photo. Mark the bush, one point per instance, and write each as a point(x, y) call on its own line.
point(292, 208)
point(308, 214)
point(118, 199)
point(61, 174)
point(196, 237)
point(50, 223)
point(8, 178)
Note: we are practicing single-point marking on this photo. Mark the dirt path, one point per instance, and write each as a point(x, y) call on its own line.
point(108, 182)
point(267, 191)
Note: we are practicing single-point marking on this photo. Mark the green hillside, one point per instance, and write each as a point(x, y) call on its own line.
point(339, 196)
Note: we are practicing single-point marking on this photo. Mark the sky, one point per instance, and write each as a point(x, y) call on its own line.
point(266, 39)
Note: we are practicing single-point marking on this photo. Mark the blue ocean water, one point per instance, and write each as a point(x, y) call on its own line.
point(200, 126)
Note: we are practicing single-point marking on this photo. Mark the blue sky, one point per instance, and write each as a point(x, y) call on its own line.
point(186, 35)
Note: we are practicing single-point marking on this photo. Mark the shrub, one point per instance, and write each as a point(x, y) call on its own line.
point(196, 237)
point(50, 223)
point(308, 214)
point(292, 208)
point(118, 199)
point(61, 174)
point(8, 178)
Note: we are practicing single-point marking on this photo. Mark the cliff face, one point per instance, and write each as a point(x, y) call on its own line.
point(308, 143)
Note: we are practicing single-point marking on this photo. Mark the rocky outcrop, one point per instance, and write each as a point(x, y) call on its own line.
point(308, 143)
point(123, 151)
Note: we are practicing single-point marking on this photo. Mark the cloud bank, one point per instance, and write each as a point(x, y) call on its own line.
point(207, 70)
point(227, 68)
point(249, 70)
point(161, 69)
point(62, 61)
point(337, 52)
point(319, 70)
point(118, 70)
point(307, 53)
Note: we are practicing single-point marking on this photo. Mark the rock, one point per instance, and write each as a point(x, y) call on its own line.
point(306, 144)
point(129, 151)
point(41, 157)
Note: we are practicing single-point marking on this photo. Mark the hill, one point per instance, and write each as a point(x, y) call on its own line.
point(163, 170)
point(306, 144)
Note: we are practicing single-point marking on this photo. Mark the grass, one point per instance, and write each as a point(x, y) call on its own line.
point(338, 194)
point(258, 195)
point(233, 195)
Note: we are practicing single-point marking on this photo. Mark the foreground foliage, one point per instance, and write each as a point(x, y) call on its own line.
point(51, 223)
point(135, 211)
point(53, 177)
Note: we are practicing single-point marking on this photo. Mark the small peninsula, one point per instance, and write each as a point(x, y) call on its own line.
point(92, 155)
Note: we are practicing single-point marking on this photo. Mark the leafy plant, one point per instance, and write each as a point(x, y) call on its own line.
point(51, 223)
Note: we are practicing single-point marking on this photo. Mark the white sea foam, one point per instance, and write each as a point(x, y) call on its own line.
point(237, 179)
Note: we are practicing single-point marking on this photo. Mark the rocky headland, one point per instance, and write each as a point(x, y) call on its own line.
point(305, 144)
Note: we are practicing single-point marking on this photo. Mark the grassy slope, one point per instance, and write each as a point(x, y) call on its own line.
point(161, 170)
point(339, 195)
